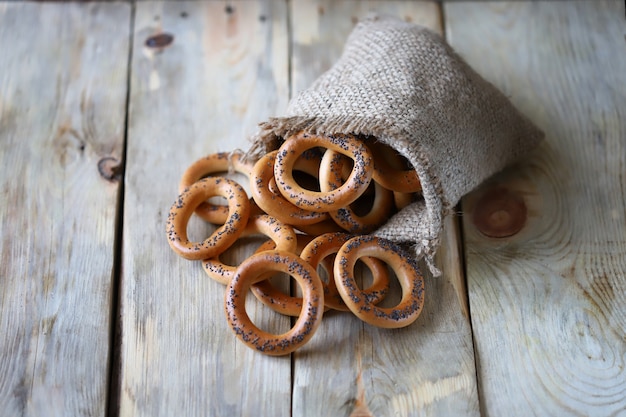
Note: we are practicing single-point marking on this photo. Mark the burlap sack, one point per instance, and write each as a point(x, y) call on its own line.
point(404, 85)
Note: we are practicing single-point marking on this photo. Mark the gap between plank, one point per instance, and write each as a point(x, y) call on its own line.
point(289, 95)
point(462, 259)
point(115, 332)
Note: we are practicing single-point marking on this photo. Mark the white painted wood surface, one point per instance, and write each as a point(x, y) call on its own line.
point(547, 304)
point(63, 74)
point(426, 368)
point(225, 71)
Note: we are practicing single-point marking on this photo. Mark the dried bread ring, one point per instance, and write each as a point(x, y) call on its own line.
point(255, 269)
point(322, 201)
point(401, 200)
point(322, 247)
point(325, 226)
point(281, 234)
point(273, 203)
point(301, 242)
point(405, 268)
point(389, 169)
point(308, 163)
point(332, 168)
point(225, 235)
point(212, 164)
point(271, 296)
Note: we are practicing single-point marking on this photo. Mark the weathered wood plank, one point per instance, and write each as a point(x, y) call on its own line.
point(225, 71)
point(548, 302)
point(62, 108)
point(425, 369)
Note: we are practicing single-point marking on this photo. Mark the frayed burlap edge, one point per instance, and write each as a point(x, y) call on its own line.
point(429, 212)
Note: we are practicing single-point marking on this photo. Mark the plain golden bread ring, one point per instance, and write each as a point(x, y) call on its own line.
point(255, 269)
point(401, 200)
point(405, 268)
point(325, 226)
point(331, 173)
point(261, 181)
point(225, 235)
point(281, 234)
point(213, 164)
point(389, 170)
point(324, 246)
point(322, 201)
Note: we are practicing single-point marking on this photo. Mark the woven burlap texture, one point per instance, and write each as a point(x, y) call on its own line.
point(402, 84)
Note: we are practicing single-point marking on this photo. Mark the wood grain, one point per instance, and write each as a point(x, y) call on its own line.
point(224, 71)
point(548, 302)
point(348, 367)
point(62, 107)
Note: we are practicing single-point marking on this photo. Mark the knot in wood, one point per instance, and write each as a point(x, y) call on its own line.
point(159, 41)
point(110, 168)
point(500, 213)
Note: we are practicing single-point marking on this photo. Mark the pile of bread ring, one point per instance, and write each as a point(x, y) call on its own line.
point(316, 198)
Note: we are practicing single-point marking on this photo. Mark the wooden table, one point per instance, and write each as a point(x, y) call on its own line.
point(98, 315)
